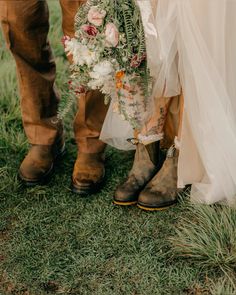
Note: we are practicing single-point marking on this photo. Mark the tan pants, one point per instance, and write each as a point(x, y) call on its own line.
point(25, 25)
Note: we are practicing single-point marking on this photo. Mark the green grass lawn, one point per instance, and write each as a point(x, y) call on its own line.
point(54, 242)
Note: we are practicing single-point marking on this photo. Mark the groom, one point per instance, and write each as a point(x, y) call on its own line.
point(25, 25)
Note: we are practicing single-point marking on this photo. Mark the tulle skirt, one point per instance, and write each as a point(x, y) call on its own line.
point(198, 52)
point(192, 48)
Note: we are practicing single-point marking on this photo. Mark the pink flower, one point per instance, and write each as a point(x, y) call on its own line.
point(90, 30)
point(80, 90)
point(112, 35)
point(96, 16)
point(64, 39)
point(136, 60)
point(76, 89)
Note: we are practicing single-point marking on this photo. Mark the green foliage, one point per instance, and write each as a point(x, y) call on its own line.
point(224, 286)
point(207, 235)
point(128, 56)
point(126, 15)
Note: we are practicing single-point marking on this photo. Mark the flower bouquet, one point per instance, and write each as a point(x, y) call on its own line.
point(109, 54)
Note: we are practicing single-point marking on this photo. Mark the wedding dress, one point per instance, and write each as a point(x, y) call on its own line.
point(191, 46)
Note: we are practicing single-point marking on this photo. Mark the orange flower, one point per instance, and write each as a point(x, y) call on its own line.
point(120, 75)
point(119, 85)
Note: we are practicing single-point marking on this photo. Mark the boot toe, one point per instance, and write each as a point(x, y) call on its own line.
point(87, 179)
point(37, 166)
point(29, 174)
point(161, 192)
point(125, 197)
point(88, 176)
point(32, 173)
point(156, 200)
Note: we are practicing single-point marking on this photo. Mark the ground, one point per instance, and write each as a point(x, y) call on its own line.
point(55, 242)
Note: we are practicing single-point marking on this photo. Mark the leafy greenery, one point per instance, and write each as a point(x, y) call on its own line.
point(54, 242)
point(127, 79)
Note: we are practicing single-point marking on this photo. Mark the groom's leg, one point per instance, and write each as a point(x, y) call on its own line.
point(89, 166)
point(25, 26)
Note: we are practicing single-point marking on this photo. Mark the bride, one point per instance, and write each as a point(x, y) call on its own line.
point(190, 49)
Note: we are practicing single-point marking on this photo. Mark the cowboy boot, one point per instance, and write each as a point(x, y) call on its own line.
point(89, 173)
point(37, 167)
point(147, 162)
point(161, 192)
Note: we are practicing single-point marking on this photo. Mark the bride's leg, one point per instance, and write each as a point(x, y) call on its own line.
point(148, 159)
point(161, 192)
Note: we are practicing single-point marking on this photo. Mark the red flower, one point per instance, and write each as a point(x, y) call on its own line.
point(90, 30)
point(136, 60)
point(80, 90)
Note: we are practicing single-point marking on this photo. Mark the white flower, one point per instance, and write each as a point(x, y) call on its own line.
point(109, 87)
point(88, 55)
point(95, 84)
point(102, 77)
point(70, 46)
point(102, 69)
point(81, 54)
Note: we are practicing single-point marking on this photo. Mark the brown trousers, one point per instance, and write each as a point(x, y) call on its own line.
point(25, 25)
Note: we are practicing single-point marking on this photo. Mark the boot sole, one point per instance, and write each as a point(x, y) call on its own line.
point(47, 176)
point(87, 190)
point(43, 181)
point(124, 203)
point(152, 209)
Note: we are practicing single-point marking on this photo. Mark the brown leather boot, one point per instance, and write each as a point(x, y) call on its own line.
point(37, 166)
point(147, 162)
point(161, 192)
point(89, 173)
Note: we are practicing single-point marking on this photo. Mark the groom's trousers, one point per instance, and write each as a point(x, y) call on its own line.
point(25, 25)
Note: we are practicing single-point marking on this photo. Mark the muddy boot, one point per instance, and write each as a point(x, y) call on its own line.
point(147, 162)
point(37, 167)
point(89, 173)
point(161, 192)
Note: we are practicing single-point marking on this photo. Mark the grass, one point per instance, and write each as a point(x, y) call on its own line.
point(53, 242)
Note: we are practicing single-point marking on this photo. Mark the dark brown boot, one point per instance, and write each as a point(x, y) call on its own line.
point(161, 192)
point(37, 167)
point(147, 162)
point(89, 173)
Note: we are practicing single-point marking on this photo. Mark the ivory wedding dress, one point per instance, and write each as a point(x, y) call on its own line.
point(191, 44)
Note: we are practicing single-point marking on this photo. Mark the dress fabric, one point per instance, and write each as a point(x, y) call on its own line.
point(198, 53)
point(191, 47)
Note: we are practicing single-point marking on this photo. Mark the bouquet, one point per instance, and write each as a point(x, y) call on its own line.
point(109, 54)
